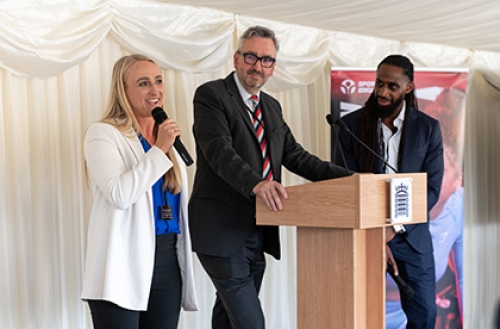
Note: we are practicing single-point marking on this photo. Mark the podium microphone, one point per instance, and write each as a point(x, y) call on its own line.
point(405, 289)
point(329, 119)
point(342, 125)
point(159, 115)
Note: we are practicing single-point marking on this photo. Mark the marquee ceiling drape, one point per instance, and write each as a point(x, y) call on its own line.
point(56, 58)
point(452, 23)
point(44, 40)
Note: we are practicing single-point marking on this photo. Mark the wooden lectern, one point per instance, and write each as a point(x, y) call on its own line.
point(341, 246)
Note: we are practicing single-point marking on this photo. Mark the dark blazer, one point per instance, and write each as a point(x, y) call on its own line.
point(423, 152)
point(229, 165)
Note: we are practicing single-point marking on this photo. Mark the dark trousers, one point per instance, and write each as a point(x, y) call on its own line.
point(164, 298)
point(418, 272)
point(237, 280)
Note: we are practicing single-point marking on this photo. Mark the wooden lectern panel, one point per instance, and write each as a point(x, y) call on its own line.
point(340, 278)
point(358, 201)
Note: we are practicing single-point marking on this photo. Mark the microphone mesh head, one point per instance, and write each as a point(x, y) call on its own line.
point(159, 115)
point(329, 119)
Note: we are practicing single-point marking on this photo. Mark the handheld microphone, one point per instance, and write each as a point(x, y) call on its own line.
point(405, 289)
point(329, 119)
point(159, 115)
point(342, 125)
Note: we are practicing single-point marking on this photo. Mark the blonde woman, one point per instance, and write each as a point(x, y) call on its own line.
point(139, 262)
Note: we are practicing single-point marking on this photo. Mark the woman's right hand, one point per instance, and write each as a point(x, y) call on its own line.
point(168, 131)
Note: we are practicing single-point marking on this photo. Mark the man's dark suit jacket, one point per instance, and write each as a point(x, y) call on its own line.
point(229, 165)
point(423, 152)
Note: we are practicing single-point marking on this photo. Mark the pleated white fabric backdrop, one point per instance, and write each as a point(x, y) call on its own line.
point(56, 59)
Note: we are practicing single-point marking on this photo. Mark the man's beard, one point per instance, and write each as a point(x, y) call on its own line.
point(248, 82)
point(383, 112)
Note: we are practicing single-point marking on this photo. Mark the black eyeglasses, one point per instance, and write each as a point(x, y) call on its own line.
point(251, 59)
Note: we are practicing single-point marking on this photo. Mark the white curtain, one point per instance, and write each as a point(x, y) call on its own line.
point(56, 58)
point(482, 207)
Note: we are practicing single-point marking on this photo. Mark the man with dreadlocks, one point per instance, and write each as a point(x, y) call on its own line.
point(410, 141)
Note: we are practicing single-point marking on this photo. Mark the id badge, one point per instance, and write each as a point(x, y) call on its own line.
point(167, 213)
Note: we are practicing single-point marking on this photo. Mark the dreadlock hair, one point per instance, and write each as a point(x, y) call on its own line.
point(367, 126)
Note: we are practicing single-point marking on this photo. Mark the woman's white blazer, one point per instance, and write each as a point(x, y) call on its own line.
point(121, 231)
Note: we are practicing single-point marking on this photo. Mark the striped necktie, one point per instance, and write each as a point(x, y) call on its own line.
point(258, 124)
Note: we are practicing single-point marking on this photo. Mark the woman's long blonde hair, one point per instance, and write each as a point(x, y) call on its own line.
point(119, 114)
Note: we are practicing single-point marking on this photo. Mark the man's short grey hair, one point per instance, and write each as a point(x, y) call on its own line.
point(261, 32)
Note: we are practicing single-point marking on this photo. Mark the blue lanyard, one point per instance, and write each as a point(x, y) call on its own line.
point(161, 201)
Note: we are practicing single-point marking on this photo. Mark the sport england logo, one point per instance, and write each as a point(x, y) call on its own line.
point(348, 87)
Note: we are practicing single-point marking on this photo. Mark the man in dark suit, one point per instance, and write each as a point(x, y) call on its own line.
point(241, 144)
point(410, 141)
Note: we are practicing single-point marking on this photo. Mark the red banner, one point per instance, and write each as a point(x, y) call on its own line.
point(442, 95)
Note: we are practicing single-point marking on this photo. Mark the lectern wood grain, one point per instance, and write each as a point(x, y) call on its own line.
point(339, 275)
